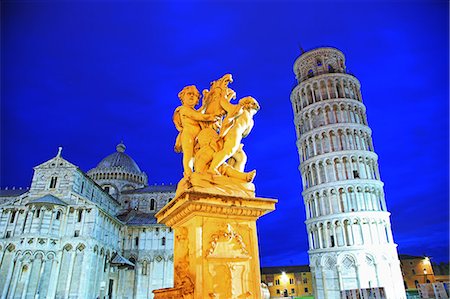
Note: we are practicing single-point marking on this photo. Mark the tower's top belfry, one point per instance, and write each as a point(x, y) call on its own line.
point(319, 61)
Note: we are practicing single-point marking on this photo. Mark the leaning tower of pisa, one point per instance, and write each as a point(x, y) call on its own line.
point(349, 233)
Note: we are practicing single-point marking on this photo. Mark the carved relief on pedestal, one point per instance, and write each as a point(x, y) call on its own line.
point(231, 243)
point(229, 265)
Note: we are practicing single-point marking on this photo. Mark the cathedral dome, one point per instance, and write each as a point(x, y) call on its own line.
point(119, 160)
point(118, 172)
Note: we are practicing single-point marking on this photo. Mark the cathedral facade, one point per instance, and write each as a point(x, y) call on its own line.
point(85, 235)
point(351, 248)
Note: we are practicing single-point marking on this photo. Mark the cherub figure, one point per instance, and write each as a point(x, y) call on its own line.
point(187, 121)
point(209, 143)
point(237, 125)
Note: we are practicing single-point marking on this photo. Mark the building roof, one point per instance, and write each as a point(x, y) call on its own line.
point(48, 199)
point(410, 257)
point(287, 269)
point(152, 189)
point(12, 192)
point(134, 217)
point(119, 160)
point(121, 261)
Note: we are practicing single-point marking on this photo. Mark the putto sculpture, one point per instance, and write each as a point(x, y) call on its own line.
point(210, 139)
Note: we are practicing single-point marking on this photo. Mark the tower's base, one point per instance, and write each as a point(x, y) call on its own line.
point(216, 245)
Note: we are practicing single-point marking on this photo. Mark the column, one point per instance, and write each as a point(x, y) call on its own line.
point(328, 91)
point(310, 242)
point(319, 233)
point(94, 283)
point(334, 234)
point(326, 236)
point(316, 206)
point(50, 225)
point(371, 231)
point(38, 288)
point(54, 276)
point(83, 289)
point(8, 278)
point(164, 272)
point(16, 278)
point(344, 233)
point(312, 93)
point(27, 281)
point(6, 223)
point(341, 83)
point(41, 218)
point(324, 285)
point(65, 222)
point(358, 275)
point(341, 282)
point(69, 276)
point(15, 222)
point(27, 216)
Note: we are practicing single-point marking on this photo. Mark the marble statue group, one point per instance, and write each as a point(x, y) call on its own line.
point(210, 139)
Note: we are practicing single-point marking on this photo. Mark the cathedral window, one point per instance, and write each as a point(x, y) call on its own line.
point(144, 268)
point(58, 215)
point(291, 281)
point(106, 188)
point(310, 74)
point(82, 187)
point(136, 241)
point(77, 233)
point(157, 230)
point(38, 213)
point(355, 174)
point(13, 216)
point(152, 204)
point(8, 234)
point(277, 283)
point(53, 181)
point(306, 290)
point(163, 241)
point(80, 215)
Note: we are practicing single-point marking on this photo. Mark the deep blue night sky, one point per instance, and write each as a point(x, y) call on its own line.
point(87, 74)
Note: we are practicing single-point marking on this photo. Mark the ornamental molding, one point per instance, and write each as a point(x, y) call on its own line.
point(332, 128)
point(324, 77)
point(340, 154)
point(315, 107)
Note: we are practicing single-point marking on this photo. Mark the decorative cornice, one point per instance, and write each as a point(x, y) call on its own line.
point(189, 203)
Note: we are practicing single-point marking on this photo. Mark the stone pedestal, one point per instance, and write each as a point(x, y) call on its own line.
point(216, 245)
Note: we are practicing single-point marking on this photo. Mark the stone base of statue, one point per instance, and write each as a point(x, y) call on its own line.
point(216, 245)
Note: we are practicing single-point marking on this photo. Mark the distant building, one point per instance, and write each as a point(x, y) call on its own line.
point(416, 270)
point(77, 235)
point(349, 230)
point(441, 272)
point(286, 281)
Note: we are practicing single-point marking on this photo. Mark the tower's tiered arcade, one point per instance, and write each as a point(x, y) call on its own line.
point(349, 233)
